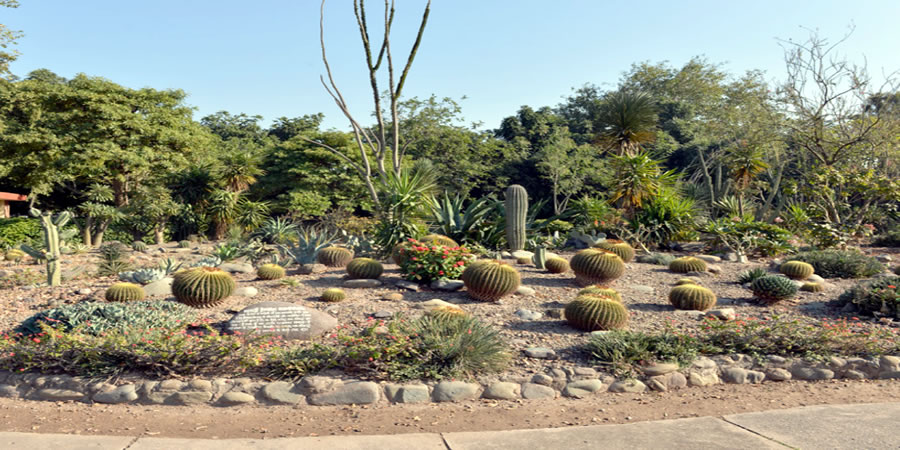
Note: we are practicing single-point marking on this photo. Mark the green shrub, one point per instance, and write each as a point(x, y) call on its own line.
point(623, 350)
point(296, 362)
point(747, 236)
point(459, 346)
point(96, 317)
point(153, 352)
point(667, 218)
point(840, 263)
point(423, 263)
point(19, 230)
point(659, 259)
point(890, 238)
point(880, 295)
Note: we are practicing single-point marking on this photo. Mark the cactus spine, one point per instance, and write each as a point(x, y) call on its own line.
point(50, 225)
point(516, 213)
point(540, 257)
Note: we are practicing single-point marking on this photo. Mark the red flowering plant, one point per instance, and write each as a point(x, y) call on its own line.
point(424, 263)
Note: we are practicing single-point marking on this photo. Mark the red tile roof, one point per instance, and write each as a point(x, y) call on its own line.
point(12, 197)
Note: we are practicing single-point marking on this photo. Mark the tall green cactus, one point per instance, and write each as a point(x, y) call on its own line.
point(51, 226)
point(540, 257)
point(516, 216)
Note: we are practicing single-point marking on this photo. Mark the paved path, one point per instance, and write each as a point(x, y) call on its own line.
point(871, 426)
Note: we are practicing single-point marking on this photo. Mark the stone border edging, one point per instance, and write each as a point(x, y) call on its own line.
point(318, 390)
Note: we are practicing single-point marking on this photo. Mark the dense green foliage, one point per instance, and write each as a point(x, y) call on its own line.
point(96, 318)
point(840, 263)
point(881, 295)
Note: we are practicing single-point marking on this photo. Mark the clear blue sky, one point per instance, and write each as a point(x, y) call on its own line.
point(263, 57)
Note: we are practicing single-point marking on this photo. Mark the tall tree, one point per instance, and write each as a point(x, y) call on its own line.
point(626, 121)
point(8, 38)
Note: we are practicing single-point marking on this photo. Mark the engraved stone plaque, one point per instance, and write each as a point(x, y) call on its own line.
point(287, 320)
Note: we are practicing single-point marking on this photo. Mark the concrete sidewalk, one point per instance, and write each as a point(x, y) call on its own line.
point(869, 426)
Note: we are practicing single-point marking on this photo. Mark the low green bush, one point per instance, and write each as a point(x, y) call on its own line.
point(19, 230)
point(95, 318)
point(660, 259)
point(880, 295)
point(890, 238)
point(840, 263)
point(749, 236)
point(623, 350)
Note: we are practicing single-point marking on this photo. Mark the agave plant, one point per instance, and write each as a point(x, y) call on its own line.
point(170, 266)
point(277, 230)
point(461, 223)
point(227, 252)
point(309, 242)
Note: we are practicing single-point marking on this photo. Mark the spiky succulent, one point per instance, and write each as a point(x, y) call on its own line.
point(184, 244)
point(797, 270)
point(602, 290)
point(591, 312)
point(687, 264)
point(596, 266)
point(812, 287)
point(124, 292)
point(333, 295)
point(270, 272)
point(334, 256)
point(557, 265)
point(170, 266)
point(749, 276)
point(692, 297)
point(620, 248)
point(202, 287)
point(773, 289)
point(143, 276)
point(364, 268)
point(490, 280)
point(139, 246)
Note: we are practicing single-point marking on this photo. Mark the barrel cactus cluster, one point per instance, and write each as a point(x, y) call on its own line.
point(687, 264)
point(797, 270)
point(270, 272)
point(596, 266)
point(592, 312)
point(773, 289)
point(692, 297)
point(490, 280)
point(124, 292)
point(364, 268)
point(202, 287)
point(334, 256)
point(620, 248)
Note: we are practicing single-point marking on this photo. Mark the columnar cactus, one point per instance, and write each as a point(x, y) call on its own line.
point(490, 280)
point(540, 257)
point(516, 215)
point(621, 248)
point(124, 292)
point(687, 264)
point(333, 295)
point(773, 289)
point(797, 270)
point(692, 297)
point(50, 226)
point(364, 268)
point(595, 266)
point(270, 272)
point(334, 256)
point(602, 290)
point(592, 312)
point(202, 287)
point(557, 265)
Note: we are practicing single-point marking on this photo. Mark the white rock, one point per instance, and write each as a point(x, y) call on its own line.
point(246, 291)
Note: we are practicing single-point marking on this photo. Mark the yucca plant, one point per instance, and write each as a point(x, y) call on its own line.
point(309, 242)
point(277, 230)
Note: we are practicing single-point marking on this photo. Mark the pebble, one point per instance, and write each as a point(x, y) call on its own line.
point(540, 353)
point(392, 296)
point(246, 291)
point(383, 314)
point(527, 314)
point(408, 285)
point(447, 285)
point(659, 369)
point(503, 390)
point(454, 391)
point(643, 289)
point(525, 291)
point(361, 284)
point(633, 386)
point(724, 314)
point(85, 291)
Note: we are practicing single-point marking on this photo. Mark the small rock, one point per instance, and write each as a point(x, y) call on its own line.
point(522, 254)
point(411, 393)
point(544, 379)
point(159, 288)
point(503, 390)
point(585, 372)
point(357, 393)
point(526, 314)
point(525, 291)
point(408, 285)
point(669, 381)
point(712, 268)
point(122, 394)
point(583, 388)
point(437, 303)
point(702, 378)
point(724, 314)
point(709, 258)
point(84, 291)
point(815, 279)
point(447, 285)
point(659, 369)
point(885, 258)
point(737, 375)
point(540, 353)
point(643, 289)
point(59, 395)
point(854, 375)
point(246, 291)
point(811, 374)
point(633, 386)
point(383, 315)
point(190, 398)
point(454, 391)
point(281, 392)
point(236, 398)
point(362, 284)
point(316, 384)
point(533, 391)
point(392, 296)
point(778, 374)
point(308, 269)
point(237, 267)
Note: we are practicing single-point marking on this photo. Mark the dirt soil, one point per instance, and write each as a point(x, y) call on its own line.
point(481, 415)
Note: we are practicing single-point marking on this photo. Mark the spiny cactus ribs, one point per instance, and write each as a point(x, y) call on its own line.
point(591, 312)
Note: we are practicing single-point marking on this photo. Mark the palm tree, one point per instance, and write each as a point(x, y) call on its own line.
point(239, 170)
point(626, 120)
point(746, 163)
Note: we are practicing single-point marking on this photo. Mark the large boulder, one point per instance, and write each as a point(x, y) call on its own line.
point(283, 319)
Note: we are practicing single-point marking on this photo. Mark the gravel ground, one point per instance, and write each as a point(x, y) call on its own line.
point(644, 289)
